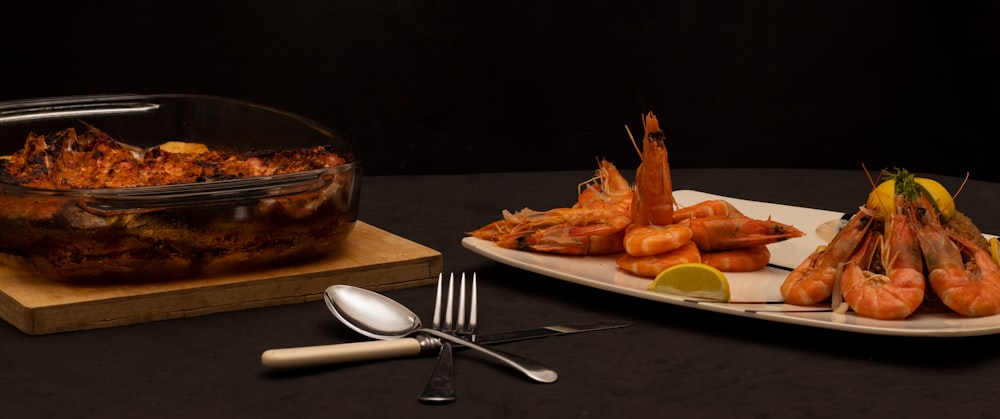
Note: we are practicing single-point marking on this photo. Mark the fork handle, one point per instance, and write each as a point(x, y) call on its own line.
point(310, 356)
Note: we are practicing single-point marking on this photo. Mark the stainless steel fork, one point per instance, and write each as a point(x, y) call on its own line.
point(440, 387)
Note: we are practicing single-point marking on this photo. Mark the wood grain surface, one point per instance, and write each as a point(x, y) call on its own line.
point(370, 258)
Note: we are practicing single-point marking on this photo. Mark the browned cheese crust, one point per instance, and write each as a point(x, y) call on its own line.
point(67, 160)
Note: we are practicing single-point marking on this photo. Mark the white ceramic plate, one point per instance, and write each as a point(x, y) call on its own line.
point(753, 294)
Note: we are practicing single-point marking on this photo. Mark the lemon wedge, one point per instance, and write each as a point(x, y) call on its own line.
point(692, 280)
point(882, 199)
point(995, 250)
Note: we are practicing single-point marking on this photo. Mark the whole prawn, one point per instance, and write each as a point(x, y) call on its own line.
point(595, 224)
point(899, 291)
point(813, 280)
point(654, 194)
point(962, 274)
point(592, 220)
point(717, 225)
point(563, 240)
point(652, 241)
point(731, 232)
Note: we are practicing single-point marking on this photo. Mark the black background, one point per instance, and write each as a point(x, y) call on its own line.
point(430, 87)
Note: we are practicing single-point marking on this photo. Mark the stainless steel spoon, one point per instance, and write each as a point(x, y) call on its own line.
point(379, 317)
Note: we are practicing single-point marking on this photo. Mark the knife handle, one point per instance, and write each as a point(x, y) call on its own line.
point(309, 356)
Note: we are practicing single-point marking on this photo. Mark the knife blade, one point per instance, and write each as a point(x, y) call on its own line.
point(541, 332)
point(421, 344)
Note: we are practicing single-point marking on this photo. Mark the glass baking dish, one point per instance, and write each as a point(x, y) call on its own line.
point(155, 233)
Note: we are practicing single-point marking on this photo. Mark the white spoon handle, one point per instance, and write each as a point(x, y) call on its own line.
point(309, 356)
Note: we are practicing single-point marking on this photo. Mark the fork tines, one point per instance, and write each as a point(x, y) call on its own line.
point(458, 324)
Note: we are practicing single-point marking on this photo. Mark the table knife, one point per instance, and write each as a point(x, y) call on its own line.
point(309, 356)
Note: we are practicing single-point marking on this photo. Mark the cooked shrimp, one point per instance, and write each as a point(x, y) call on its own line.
point(650, 266)
point(812, 281)
point(560, 239)
point(568, 227)
point(962, 274)
point(979, 295)
point(603, 219)
point(589, 220)
point(744, 259)
point(734, 245)
point(899, 291)
point(608, 189)
point(648, 240)
point(704, 209)
point(594, 225)
point(654, 194)
point(724, 233)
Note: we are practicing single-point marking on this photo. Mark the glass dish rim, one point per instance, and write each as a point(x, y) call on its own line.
point(189, 193)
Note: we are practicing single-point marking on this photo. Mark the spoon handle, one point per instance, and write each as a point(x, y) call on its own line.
point(532, 369)
point(310, 356)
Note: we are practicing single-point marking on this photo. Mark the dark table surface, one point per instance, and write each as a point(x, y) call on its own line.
point(674, 361)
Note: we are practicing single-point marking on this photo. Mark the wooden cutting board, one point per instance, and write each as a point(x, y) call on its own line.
point(370, 258)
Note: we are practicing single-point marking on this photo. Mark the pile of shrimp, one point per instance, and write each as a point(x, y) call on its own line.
point(642, 221)
point(881, 268)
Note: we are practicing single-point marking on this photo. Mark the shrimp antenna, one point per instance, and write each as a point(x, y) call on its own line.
point(636, 146)
point(873, 183)
point(960, 187)
point(869, 175)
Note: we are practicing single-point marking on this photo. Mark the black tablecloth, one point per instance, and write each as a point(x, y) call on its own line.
point(674, 361)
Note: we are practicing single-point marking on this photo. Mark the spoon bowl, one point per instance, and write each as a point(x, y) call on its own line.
point(370, 313)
